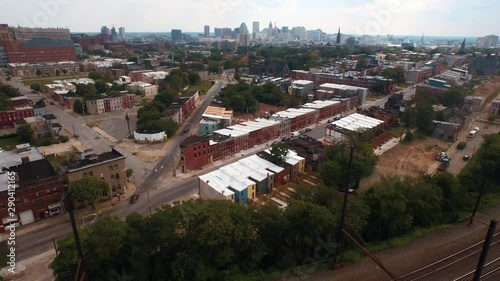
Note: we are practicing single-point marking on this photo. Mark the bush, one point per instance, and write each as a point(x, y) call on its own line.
point(408, 137)
point(491, 117)
point(64, 139)
point(129, 172)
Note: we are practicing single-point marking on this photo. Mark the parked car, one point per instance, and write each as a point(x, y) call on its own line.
point(462, 145)
point(134, 198)
point(307, 130)
point(466, 158)
point(188, 127)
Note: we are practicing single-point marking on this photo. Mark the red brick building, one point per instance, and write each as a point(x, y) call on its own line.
point(8, 117)
point(38, 51)
point(181, 109)
point(326, 109)
point(136, 76)
point(37, 196)
point(427, 91)
point(195, 153)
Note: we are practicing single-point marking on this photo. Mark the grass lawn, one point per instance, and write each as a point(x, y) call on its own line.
point(48, 80)
point(203, 87)
point(9, 143)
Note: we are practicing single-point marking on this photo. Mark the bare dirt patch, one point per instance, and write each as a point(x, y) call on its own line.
point(149, 153)
point(489, 90)
point(406, 160)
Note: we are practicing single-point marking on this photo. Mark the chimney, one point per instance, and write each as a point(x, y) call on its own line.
point(25, 160)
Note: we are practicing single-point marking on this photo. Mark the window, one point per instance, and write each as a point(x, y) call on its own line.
point(39, 204)
point(112, 177)
point(105, 193)
point(110, 168)
point(114, 188)
point(116, 167)
point(117, 176)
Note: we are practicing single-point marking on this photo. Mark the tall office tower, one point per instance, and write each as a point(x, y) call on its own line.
point(255, 27)
point(123, 36)
point(493, 40)
point(176, 34)
point(218, 32)
point(243, 28)
point(114, 35)
point(227, 33)
point(105, 30)
point(207, 31)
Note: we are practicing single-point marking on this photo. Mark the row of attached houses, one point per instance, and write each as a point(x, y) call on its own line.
point(199, 151)
point(243, 181)
point(110, 104)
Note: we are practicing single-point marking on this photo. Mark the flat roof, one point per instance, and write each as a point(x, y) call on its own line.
point(232, 133)
point(102, 158)
point(218, 112)
point(302, 82)
point(216, 184)
point(237, 171)
point(356, 122)
point(264, 164)
point(248, 171)
point(320, 104)
point(18, 98)
point(230, 181)
point(294, 112)
point(13, 158)
point(341, 87)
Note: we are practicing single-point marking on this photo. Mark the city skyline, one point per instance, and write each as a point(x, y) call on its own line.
point(371, 17)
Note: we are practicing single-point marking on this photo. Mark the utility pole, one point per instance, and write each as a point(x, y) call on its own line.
point(128, 124)
point(484, 252)
point(478, 201)
point(70, 208)
point(340, 235)
point(149, 203)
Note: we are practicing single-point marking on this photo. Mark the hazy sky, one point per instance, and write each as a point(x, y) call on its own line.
point(398, 17)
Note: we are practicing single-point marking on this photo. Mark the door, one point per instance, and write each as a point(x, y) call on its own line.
point(27, 217)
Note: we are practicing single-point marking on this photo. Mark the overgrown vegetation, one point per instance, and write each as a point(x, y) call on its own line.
point(243, 97)
point(7, 92)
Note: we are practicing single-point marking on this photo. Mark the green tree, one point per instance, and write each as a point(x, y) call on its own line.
point(36, 87)
point(96, 75)
point(424, 117)
point(103, 241)
point(194, 78)
point(362, 63)
point(79, 107)
point(4, 101)
point(213, 67)
point(336, 164)
point(25, 133)
point(101, 87)
point(88, 189)
point(397, 73)
point(409, 117)
point(279, 153)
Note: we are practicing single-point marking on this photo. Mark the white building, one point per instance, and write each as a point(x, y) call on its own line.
point(338, 130)
point(149, 90)
point(302, 88)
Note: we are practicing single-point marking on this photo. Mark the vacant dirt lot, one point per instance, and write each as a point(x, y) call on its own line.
point(489, 90)
point(149, 153)
point(406, 160)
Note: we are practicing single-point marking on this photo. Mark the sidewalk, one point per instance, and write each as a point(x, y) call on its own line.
point(79, 215)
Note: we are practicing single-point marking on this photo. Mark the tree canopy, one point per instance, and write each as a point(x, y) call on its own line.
point(279, 153)
point(25, 133)
point(88, 189)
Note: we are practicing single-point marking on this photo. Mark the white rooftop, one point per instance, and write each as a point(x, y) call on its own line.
point(302, 82)
point(232, 133)
point(264, 164)
point(320, 104)
point(340, 87)
point(356, 122)
point(248, 171)
point(216, 184)
point(293, 112)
